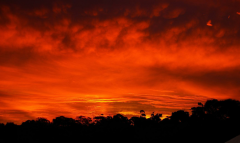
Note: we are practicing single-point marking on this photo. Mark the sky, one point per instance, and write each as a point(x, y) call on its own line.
point(92, 57)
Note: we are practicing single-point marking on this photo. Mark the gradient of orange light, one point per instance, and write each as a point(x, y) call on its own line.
point(104, 73)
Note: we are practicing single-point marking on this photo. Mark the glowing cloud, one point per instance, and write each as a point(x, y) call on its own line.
point(209, 23)
point(92, 57)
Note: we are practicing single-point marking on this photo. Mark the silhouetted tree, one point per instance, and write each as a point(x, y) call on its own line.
point(166, 120)
point(200, 104)
point(198, 113)
point(211, 109)
point(230, 109)
point(156, 117)
point(222, 110)
point(1, 125)
point(135, 121)
point(139, 121)
point(84, 120)
point(10, 124)
point(143, 115)
point(224, 116)
point(29, 123)
point(42, 121)
point(180, 116)
point(214, 110)
point(101, 120)
point(63, 121)
point(120, 120)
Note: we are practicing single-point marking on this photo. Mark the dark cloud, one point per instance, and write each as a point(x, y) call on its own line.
point(17, 57)
point(184, 16)
point(16, 116)
point(226, 80)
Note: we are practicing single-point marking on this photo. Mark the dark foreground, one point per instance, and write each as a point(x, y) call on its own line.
point(214, 122)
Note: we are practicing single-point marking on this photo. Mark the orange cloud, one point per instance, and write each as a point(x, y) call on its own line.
point(209, 23)
point(87, 58)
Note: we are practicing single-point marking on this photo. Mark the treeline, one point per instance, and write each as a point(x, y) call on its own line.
point(215, 122)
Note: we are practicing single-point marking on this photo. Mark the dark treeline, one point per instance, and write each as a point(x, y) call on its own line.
point(213, 122)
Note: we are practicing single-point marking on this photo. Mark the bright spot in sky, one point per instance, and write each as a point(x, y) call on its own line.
point(209, 23)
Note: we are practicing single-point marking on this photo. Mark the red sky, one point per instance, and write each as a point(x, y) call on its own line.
point(88, 57)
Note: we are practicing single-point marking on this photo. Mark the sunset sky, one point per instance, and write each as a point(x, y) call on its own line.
point(92, 57)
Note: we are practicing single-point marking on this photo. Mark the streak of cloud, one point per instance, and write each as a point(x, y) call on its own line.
point(115, 56)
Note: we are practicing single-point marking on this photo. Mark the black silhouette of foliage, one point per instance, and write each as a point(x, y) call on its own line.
point(29, 123)
point(143, 115)
point(214, 121)
point(84, 120)
point(200, 104)
point(42, 121)
point(10, 124)
point(180, 116)
point(198, 113)
point(120, 120)
point(156, 117)
point(214, 110)
point(63, 121)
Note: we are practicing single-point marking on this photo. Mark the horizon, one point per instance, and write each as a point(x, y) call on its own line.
point(90, 57)
point(213, 110)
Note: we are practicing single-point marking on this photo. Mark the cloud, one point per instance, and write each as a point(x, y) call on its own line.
point(209, 23)
point(54, 52)
point(16, 116)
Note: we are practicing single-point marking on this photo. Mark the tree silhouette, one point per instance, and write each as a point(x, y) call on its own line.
point(211, 109)
point(156, 117)
point(10, 124)
point(29, 123)
point(1, 125)
point(84, 120)
point(119, 120)
point(200, 104)
point(42, 121)
point(135, 121)
point(143, 115)
point(198, 113)
point(180, 116)
point(230, 109)
point(101, 120)
point(218, 121)
point(222, 110)
point(63, 121)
